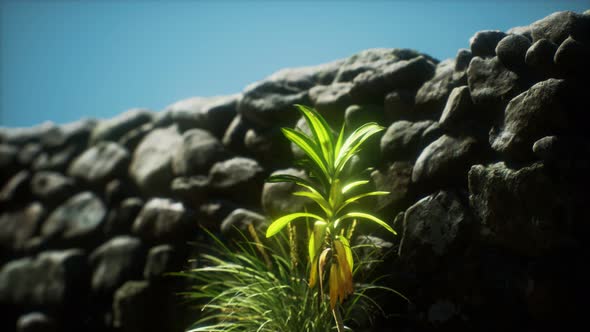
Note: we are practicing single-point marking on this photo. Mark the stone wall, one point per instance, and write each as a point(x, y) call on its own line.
point(486, 156)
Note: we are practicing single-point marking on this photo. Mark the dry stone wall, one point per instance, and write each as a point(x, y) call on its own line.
point(486, 156)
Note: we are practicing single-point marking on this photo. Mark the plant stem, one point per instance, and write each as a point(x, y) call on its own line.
point(338, 319)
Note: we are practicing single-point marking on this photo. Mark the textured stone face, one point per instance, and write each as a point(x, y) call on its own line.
point(100, 163)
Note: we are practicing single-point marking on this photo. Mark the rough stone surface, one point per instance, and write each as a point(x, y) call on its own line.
point(115, 128)
point(164, 221)
point(404, 140)
point(277, 198)
point(197, 153)
point(52, 187)
point(459, 114)
point(539, 57)
point(57, 160)
point(234, 137)
point(462, 59)
point(357, 115)
point(121, 217)
point(240, 178)
point(490, 82)
point(511, 51)
point(100, 163)
point(331, 100)
point(16, 190)
point(432, 95)
point(36, 322)
point(572, 57)
point(399, 105)
point(16, 228)
point(560, 25)
point(239, 221)
point(268, 146)
point(160, 260)
point(483, 43)
point(191, 190)
point(397, 180)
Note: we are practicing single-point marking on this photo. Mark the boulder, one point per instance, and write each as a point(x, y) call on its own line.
point(17, 190)
point(331, 100)
point(131, 140)
point(17, 227)
point(462, 59)
point(399, 105)
point(571, 58)
point(213, 212)
point(558, 26)
point(396, 178)
point(29, 153)
point(239, 220)
point(191, 190)
point(197, 153)
point(9, 163)
point(483, 43)
point(115, 128)
point(235, 135)
point(511, 51)
point(57, 160)
point(357, 115)
point(238, 178)
point(73, 133)
point(160, 260)
point(164, 221)
point(432, 95)
point(100, 163)
point(490, 82)
point(277, 198)
point(268, 146)
point(151, 166)
point(22, 136)
point(36, 322)
point(121, 217)
point(140, 306)
point(524, 31)
point(539, 57)
point(403, 140)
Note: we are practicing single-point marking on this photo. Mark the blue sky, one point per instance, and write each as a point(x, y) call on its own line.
point(65, 60)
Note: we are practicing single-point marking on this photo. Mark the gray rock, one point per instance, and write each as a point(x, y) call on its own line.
point(121, 218)
point(572, 57)
point(239, 220)
point(22, 136)
point(459, 114)
point(131, 140)
point(77, 222)
point(357, 115)
point(8, 161)
point(432, 95)
point(164, 221)
point(17, 190)
point(372, 86)
point(539, 57)
point(462, 59)
point(270, 102)
point(238, 178)
point(29, 153)
point(511, 51)
point(73, 133)
point(518, 208)
point(399, 105)
point(560, 25)
point(445, 162)
point(191, 190)
point(197, 153)
point(213, 212)
point(211, 113)
point(160, 260)
point(137, 307)
point(114, 262)
point(483, 43)
point(404, 140)
point(54, 279)
point(331, 100)
point(533, 114)
point(268, 146)
point(115, 128)
point(16, 228)
point(36, 322)
point(435, 227)
point(524, 31)
point(235, 135)
point(100, 163)
point(396, 178)
point(490, 82)
point(151, 166)
point(278, 199)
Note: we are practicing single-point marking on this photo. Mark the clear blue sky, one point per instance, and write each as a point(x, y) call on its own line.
point(65, 60)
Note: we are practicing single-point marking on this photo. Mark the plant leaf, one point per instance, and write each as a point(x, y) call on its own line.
point(316, 197)
point(351, 145)
point(357, 197)
point(369, 217)
point(280, 223)
point(309, 147)
point(322, 133)
point(354, 184)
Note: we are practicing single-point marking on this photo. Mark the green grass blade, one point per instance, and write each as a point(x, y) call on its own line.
point(322, 133)
point(280, 223)
point(309, 147)
point(370, 217)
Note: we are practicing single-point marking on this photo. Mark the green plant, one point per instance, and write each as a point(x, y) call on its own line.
point(328, 159)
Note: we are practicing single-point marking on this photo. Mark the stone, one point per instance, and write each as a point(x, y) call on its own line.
point(22, 136)
point(191, 190)
point(436, 227)
point(114, 262)
point(399, 105)
point(76, 222)
point(562, 151)
point(268, 146)
point(213, 212)
point(151, 166)
point(9, 163)
point(459, 114)
point(331, 100)
point(36, 322)
point(197, 153)
point(137, 307)
point(524, 31)
point(53, 279)
point(395, 178)
point(572, 57)
point(58, 160)
point(277, 198)
point(533, 114)
point(115, 128)
point(121, 217)
point(29, 153)
point(164, 221)
point(490, 82)
point(238, 178)
point(160, 260)
point(558, 26)
point(483, 43)
point(211, 113)
point(235, 135)
point(17, 227)
point(119, 189)
point(73, 133)
point(511, 51)
point(403, 140)
point(270, 102)
point(446, 161)
point(100, 163)
point(239, 220)
point(131, 140)
point(17, 190)
point(432, 95)
point(520, 209)
point(357, 115)
point(462, 59)
point(372, 86)
point(539, 57)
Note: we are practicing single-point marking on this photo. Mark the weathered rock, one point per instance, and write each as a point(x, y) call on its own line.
point(397, 180)
point(461, 116)
point(16, 228)
point(54, 279)
point(119, 189)
point(29, 153)
point(239, 220)
point(435, 227)
point(191, 190)
point(197, 153)
point(22, 136)
point(331, 100)
point(462, 59)
point(399, 105)
point(8, 161)
point(490, 82)
point(511, 51)
point(530, 116)
point(115, 128)
point(519, 209)
point(565, 152)
point(238, 178)
point(114, 262)
point(100, 163)
point(36, 322)
point(77, 222)
point(17, 190)
point(560, 25)
point(268, 146)
point(212, 213)
point(539, 57)
point(372, 86)
point(572, 57)
point(164, 221)
point(432, 95)
point(151, 166)
point(160, 260)
point(137, 307)
point(524, 31)
point(235, 135)
point(446, 161)
point(121, 218)
point(404, 140)
point(483, 43)
point(57, 161)
point(131, 140)
point(73, 133)
point(357, 115)
point(278, 199)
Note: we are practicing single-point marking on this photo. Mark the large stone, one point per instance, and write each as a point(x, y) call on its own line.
point(436, 227)
point(462, 59)
point(490, 82)
point(16, 228)
point(268, 146)
point(238, 178)
point(331, 100)
point(432, 95)
point(164, 221)
point(404, 140)
point(73, 133)
point(115, 128)
point(17, 190)
point(560, 25)
point(160, 260)
point(137, 307)
point(399, 105)
point(524, 31)
point(121, 218)
point(77, 222)
point(533, 114)
point(59, 159)
point(235, 135)
point(36, 322)
point(211, 113)
point(572, 57)
point(278, 199)
point(357, 115)
point(151, 166)
point(483, 43)
point(445, 162)
point(29, 153)
point(100, 163)
point(396, 178)
point(539, 57)
point(520, 209)
point(8, 161)
point(239, 220)
point(197, 153)
point(114, 262)
point(22, 136)
point(372, 86)
point(191, 190)
point(459, 113)
point(213, 212)
point(511, 51)
point(54, 279)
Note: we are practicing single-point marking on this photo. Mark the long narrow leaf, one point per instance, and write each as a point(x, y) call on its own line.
point(319, 199)
point(367, 216)
point(354, 184)
point(353, 142)
point(309, 147)
point(280, 223)
point(322, 133)
point(357, 197)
